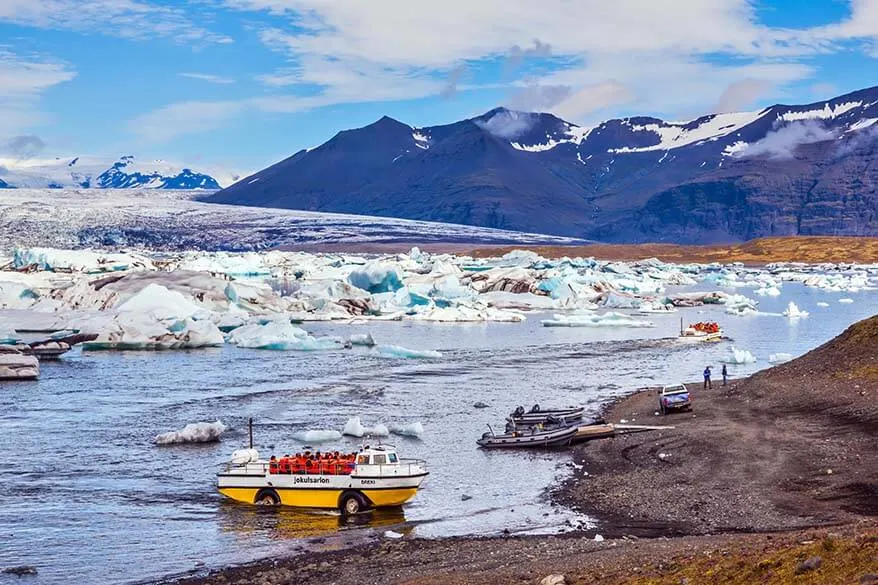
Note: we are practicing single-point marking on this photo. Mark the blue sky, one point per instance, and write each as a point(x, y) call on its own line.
point(240, 84)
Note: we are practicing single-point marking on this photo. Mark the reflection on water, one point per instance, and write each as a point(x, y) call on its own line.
point(285, 523)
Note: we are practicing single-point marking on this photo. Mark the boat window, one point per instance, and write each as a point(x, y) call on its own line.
point(392, 457)
point(363, 460)
point(379, 459)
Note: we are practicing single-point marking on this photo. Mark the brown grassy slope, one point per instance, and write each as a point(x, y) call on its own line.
point(811, 249)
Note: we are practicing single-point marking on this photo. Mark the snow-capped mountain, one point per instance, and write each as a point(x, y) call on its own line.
point(783, 170)
point(95, 172)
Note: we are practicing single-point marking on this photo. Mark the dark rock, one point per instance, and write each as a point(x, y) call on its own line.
point(465, 497)
point(869, 578)
point(809, 565)
point(480, 405)
point(21, 571)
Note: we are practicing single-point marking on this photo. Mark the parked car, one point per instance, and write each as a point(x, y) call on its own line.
point(674, 397)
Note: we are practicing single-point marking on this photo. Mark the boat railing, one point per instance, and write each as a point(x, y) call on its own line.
point(262, 468)
point(405, 468)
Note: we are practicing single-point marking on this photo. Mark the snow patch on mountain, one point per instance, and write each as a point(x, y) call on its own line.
point(705, 129)
point(827, 112)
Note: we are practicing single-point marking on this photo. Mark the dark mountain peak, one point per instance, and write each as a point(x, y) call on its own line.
point(720, 177)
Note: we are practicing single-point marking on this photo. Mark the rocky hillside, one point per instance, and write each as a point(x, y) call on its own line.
point(785, 170)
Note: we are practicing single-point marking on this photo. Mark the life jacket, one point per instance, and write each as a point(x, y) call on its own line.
point(272, 466)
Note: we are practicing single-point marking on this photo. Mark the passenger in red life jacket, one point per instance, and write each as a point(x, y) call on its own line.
point(272, 464)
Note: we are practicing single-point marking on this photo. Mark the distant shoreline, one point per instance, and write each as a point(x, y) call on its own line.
point(805, 249)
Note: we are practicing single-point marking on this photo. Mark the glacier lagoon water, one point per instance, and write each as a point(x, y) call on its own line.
point(87, 497)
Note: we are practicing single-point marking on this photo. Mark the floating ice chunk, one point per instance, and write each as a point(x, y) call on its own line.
point(615, 300)
point(279, 335)
point(741, 310)
point(738, 356)
point(846, 301)
point(376, 277)
point(162, 303)
point(8, 337)
point(779, 358)
point(595, 320)
point(354, 428)
point(134, 331)
point(768, 291)
point(793, 312)
point(200, 432)
point(364, 339)
point(395, 351)
point(822, 304)
point(17, 366)
point(415, 429)
point(392, 534)
point(318, 436)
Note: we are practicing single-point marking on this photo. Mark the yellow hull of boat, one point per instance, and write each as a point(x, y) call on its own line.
point(324, 498)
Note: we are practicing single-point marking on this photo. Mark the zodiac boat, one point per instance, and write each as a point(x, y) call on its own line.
point(375, 477)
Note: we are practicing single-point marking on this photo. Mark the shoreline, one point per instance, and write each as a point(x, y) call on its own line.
point(764, 474)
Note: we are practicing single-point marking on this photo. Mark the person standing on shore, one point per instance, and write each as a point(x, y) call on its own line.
point(707, 384)
point(725, 375)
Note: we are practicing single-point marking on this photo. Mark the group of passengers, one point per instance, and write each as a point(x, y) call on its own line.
point(313, 463)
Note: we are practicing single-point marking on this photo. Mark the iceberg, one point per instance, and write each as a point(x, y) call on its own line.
point(395, 351)
point(14, 365)
point(793, 312)
point(317, 436)
point(133, 331)
point(161, 302)
point(415, 430)
point(363, 339)
point(200, 432)
point(280, 336)
point(738, 356)
point(354, 428)
point(770, 291)
point(376, 277)
point(779, 358)
point(610, 319)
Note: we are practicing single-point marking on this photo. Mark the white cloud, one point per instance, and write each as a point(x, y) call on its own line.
point(184, 118)
point(131, 19)
point(208, 77)
point(22, 82)
point(783, 142)
point(594, 98)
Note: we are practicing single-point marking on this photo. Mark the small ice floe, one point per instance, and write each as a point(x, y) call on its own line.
point(779, 358)
point(317, 436)
point(415, 430)
point(363, 339)
point(610, 319)
point(392, 534)
point(279, 335)
point(846, 301)
point(354, 428)
point(822, 304)
point(768, 291)
point(738, 356)
point(200, 432)
point(794, 312)
point(395, 351)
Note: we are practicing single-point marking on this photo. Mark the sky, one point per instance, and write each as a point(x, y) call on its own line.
point(240, 84)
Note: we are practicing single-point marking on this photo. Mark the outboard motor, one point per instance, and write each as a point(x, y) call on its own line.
point(536, 408)
point(518, 411)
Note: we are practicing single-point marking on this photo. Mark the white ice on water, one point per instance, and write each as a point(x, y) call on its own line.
point(793, 312)
point(279, 335)
point(738, 356)
point(354, 428)
point(415, 429)
point(395, 351)
point(200, 432)
point(610, 319)
point(779, 358)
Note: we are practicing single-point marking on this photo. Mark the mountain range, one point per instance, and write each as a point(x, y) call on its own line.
point(783, 170)
point(98, 173)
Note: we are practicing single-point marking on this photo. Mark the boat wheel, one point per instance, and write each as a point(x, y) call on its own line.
point(352, 503)
point(266, 497)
